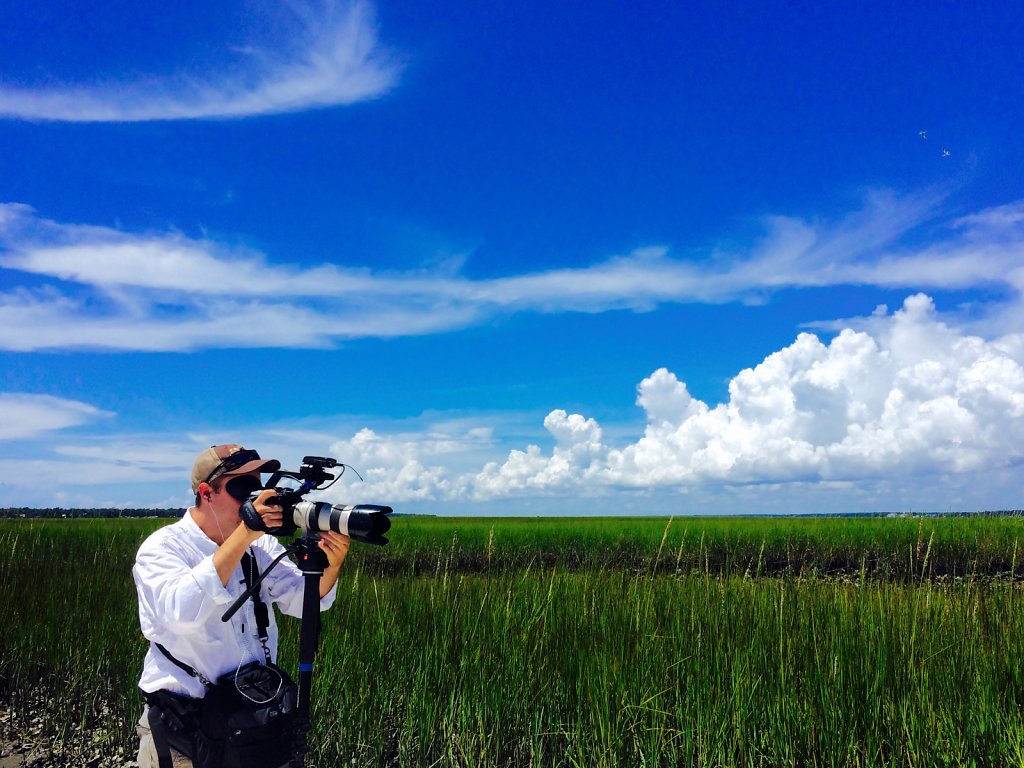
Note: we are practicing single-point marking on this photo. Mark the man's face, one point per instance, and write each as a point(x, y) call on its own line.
point(237, 488)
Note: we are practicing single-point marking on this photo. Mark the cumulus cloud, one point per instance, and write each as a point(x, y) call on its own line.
point(102, 287)
point(333, 59)
point(889, 412)
point(409, 466)
point(578, 449)
point(918, 397)
point(914, 401)
point(26, 415)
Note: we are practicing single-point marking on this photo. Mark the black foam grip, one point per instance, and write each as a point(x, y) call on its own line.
point(251, 517)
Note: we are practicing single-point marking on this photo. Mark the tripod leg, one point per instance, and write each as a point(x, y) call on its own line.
point(308, 639)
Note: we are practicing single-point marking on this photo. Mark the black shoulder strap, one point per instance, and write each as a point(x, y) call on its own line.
point(174, 660)
point(161, 741)
point(251, 570)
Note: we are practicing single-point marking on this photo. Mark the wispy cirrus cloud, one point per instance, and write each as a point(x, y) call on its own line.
point(106, 288)
point(24, 415)
point(334, 58)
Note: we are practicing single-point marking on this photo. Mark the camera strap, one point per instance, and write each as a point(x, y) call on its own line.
point(251, 573)
point(181, 664)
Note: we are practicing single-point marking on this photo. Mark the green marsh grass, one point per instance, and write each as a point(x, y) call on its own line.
point(888, 548)
point(704, 642)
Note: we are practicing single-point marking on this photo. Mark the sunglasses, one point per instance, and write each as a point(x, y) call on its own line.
point(232, 462)
point(242, 487)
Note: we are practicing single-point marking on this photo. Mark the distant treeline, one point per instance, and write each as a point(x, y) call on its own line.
point(58, 512)
point(109, 512)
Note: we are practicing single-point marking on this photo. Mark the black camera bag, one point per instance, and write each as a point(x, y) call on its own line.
point(247, 719)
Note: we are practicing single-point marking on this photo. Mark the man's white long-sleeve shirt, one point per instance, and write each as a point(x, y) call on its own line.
point(181, 600)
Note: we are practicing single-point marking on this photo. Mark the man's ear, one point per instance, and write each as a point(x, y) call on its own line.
point(205, 491)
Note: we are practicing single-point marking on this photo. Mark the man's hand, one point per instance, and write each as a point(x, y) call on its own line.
point(268, 509)
point(335, 545)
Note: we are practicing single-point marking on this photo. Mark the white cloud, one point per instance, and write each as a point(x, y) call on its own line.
point(27, 415)
point(333, 59)
point(407, 466)
point(105, 468)
point(868, 416)
point(418, 460)
point(578, 449)
point(914, 412)
point(917, 398)
point(110, 289)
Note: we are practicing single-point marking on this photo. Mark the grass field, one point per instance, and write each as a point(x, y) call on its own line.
point(582, 642)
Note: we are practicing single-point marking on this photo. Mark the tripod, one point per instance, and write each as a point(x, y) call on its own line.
point(312, 561)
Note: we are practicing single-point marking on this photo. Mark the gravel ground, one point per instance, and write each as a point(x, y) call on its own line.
point(32, 736)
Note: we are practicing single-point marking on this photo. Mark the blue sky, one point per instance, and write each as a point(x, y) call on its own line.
point(536, 259)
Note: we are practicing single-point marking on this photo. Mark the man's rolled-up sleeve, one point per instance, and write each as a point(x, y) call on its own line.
point(174, 595)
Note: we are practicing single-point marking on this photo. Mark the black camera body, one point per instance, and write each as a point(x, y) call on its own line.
point(362, 522)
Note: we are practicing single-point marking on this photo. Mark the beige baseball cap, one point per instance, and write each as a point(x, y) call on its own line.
point(229, 459)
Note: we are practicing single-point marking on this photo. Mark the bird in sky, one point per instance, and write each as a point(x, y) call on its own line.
point(945, 153)
point(923, 135)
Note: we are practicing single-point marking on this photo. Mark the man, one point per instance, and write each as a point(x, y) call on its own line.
point(188, 573)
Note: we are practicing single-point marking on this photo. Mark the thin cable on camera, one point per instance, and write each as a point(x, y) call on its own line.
point(343, 468)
